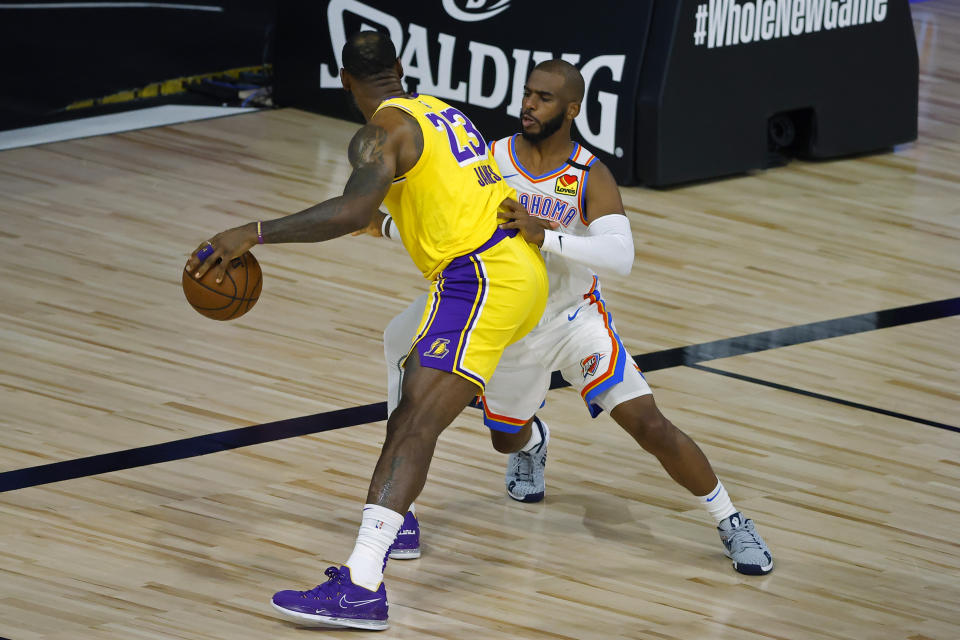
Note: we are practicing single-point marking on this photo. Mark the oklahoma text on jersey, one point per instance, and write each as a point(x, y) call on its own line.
point(558, 194)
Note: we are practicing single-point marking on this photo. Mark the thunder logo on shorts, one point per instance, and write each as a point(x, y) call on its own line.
point(591, 363)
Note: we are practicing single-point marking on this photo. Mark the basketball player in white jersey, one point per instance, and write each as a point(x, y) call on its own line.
point(577, 218)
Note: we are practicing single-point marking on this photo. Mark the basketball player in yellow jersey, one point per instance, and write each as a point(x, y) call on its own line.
point(427, 162)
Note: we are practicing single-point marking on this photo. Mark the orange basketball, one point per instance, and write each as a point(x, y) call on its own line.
point(230, 299)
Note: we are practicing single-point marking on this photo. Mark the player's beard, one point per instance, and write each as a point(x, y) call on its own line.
point(547, 129)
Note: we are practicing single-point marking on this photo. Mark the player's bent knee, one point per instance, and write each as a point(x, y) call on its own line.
point(642, 419)
point(408, 424)
point(425, 410)
point(658, 432)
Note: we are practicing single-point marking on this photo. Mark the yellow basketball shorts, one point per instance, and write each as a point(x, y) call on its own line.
point(480, 303)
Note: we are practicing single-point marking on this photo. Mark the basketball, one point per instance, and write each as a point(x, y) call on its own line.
point(230, 299)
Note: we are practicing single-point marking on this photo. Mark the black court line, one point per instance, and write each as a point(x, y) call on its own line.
point(191, 447)
point(820, 396)
point(657, 360)
point(789, 336)
point(799, 334)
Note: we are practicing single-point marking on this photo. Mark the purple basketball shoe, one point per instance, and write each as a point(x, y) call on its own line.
point(335, 603)
point(407, 544)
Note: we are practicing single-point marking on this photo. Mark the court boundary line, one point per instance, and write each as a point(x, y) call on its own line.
point(821, 396)
point(689, 356)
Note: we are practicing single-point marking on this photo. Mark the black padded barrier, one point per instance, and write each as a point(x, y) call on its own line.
point(476, 54)
point(678, 90)
point(734, 85)
point(59, 53)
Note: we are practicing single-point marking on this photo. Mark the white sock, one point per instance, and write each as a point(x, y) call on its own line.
point(378, 530)
point(535, 437)
point(718, 503)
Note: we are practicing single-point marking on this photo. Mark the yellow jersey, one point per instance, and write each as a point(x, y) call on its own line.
point(446, 205)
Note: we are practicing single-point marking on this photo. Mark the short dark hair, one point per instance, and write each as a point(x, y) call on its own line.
point(572, 79)
point(368, 53)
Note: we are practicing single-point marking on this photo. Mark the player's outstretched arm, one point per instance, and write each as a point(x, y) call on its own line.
point(372, 153)
point(374, 166)
point(608, 249)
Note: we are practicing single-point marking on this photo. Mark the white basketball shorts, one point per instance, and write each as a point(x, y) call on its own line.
point(580, 341)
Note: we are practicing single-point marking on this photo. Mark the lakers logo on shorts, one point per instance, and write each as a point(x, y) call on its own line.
point(567, 185)
point(438, 349)
point(590, 364)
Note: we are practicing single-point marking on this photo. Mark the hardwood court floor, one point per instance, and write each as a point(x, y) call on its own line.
point(99, 353)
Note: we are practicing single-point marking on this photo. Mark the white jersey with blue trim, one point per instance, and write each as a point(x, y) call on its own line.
point(560, 196)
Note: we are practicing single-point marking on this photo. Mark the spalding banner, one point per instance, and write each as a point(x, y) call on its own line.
point(476, 54)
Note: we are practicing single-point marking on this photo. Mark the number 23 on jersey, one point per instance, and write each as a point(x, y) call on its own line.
point(466, 143)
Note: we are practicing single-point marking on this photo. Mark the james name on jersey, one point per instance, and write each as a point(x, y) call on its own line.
point(486, 175)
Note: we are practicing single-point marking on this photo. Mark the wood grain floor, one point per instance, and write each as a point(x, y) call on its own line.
point(99, 353)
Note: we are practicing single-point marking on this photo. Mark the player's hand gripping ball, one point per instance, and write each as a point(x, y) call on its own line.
point(233, 296)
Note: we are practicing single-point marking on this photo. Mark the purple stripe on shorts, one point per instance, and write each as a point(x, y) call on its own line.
point(437, 347)
point(472, 323)
point(455, 314)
